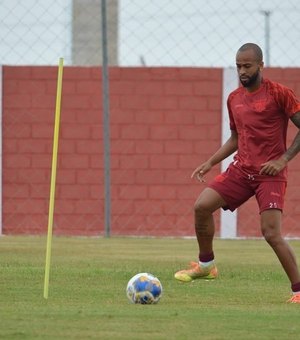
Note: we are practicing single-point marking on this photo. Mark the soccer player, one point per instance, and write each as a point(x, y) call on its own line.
point(259, 112)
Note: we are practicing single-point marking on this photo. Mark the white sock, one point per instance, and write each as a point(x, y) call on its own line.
point(206, 264)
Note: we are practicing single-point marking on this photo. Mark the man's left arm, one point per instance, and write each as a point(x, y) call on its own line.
point(273, 167)
point(292, 151)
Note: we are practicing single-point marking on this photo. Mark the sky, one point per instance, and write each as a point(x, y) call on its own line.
point(207, 33)
point(156, 32)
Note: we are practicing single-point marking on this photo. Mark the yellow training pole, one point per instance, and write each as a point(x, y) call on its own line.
point(53, 176)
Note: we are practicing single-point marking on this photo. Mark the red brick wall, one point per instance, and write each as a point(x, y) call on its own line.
point(164, 122)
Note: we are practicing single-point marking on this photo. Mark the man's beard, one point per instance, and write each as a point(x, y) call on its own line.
point(251, 80)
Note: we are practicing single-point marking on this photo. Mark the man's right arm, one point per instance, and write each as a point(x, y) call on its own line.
point(230, 146)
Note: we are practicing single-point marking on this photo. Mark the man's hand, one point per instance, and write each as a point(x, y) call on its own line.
point(201, 171)
point(273, 167)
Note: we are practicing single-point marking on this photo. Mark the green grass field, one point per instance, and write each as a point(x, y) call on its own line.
point(87, 297)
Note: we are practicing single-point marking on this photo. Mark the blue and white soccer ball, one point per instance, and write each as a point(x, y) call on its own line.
point(144, 288)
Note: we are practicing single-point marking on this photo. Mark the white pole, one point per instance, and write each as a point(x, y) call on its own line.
point(1, 105)
point(228, 222)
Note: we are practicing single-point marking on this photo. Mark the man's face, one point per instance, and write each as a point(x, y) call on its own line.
point(248, 67)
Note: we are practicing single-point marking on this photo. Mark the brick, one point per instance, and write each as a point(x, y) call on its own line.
point(16, 72)
point(176, 177)
point(11, 86)
point(149, 177)
point(68, 87)
point(163, 161)
point(10, 146)
point(33, 176)
point(207, 88)
point(25, 206)
point(191, 73)
point(133, 102)
point(97, 191)
point(204, 117)
point(149, 87)
point(149, 147)
point(75, 131)
point(162, 192)
point(163, 73)
point(179, 147)
point(163, 103)
point(33, 87)
point(124, 146)
point(190, 191)
point(90, 87)
point(74, 191)
point(77, 102)
point(89, 176)
point(214, 103)
point(68, 176)
point(123, 177)
point(149, 117)
point(88, 206)
point(115, 131)
point(122, 116)
point(122, 87)
point(188, 162)
point(193, 133)
point(193, 103)
point(25, 224)
point(63, 206)
point(45, 72)
point(74, 161)
point(134, 132)
point(148, 208)
point(43, 101)
point(17, 161)
point(17, 100)
point(41, 161)
point(67, 116)
point(89, 147)
point(97, 162)
point(10, 175)
point(42, 131)
point(135, 73)
point(41, 191)
point(18, 131)
point(181, 88)
point(164, 132)
point(179, 117)
point(16, 191)
point(90, 116)
point(134, 162)
point(133, 192)
point(97, 131)
point(175, 207)
point(64, 146)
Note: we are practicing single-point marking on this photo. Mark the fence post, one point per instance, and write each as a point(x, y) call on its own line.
point(106, 123)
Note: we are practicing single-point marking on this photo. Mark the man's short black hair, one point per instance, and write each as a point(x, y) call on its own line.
point(251, 46)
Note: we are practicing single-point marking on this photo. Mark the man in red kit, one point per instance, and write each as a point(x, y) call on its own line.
point(259, 112)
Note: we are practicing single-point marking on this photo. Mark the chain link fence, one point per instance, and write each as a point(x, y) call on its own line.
point(164, 33)
point(152, 33)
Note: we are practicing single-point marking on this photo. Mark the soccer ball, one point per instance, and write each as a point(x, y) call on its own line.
point(144, 288)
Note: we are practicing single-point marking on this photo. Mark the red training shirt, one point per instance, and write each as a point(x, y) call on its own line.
point(260, 119)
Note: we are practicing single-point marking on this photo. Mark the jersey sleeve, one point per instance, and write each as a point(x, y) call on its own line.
point(287, 100)
point(231, 119)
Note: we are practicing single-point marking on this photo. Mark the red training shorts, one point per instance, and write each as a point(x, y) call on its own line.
point(236, 186)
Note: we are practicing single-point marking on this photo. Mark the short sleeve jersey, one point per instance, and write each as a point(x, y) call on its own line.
point(260, 119)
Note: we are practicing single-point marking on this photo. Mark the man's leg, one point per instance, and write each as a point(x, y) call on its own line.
point(271, 230)
point(208, 202)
